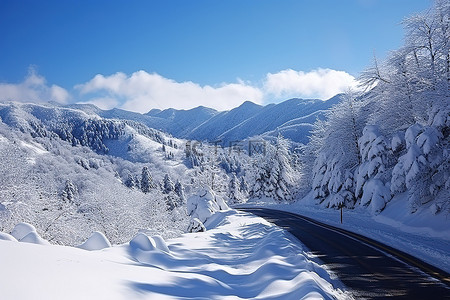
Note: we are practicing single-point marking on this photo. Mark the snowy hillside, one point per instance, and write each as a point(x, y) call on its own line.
point(70, 173)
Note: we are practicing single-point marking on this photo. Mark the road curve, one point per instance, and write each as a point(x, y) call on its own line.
point(369, 269)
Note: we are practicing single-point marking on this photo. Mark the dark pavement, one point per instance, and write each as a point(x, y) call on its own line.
point(369, 269)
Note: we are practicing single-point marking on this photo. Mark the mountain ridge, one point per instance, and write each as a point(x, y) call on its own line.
point(292, 118)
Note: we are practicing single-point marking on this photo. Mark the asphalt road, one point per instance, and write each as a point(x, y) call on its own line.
point(369, 269)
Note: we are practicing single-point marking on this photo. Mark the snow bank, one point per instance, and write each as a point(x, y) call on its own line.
point(96, 241)
point(34, 238)
point(21, 230)
point(204, 204)
point(243, 257)
point(143, 242)
point(160, 243)
point(24, 232)
point(7, 237)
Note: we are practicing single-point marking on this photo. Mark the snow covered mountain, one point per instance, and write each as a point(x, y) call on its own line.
point(292, 118)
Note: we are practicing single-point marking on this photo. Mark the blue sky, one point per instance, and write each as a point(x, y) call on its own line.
point(197, 46)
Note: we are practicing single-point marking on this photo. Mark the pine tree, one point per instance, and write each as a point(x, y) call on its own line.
point(69, 192)
point(146, 180)
point(273, 176)
point(259, 175)
point(233, 189)
point(130, 181)
point(282, 171)
point(423, 170)
point(179, 190)
point(371, 176)
point(335, 144)
point(168, 185)
point(243, 186)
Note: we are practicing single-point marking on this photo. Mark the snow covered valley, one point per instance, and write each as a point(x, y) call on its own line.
point(240, 256)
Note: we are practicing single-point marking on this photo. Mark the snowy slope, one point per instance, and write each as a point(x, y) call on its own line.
point(239, 257)
point(63, 170)
point(274, 117)
point(224, 121)
point(182, 122)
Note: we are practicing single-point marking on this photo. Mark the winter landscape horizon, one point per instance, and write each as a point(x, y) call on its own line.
point(239, 150)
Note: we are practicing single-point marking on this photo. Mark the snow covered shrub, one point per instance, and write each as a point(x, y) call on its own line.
point(204, 204)
point(21, 230)
point(372, 185)
point(26, 233)
point(196, 226)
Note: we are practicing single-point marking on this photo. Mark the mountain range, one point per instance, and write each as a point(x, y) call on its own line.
point(292, 118)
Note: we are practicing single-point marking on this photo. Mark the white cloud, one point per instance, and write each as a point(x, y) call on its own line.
point(33, 89)
point(321, 83)
point(142, 91)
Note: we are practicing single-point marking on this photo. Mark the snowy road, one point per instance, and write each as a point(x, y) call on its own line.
point(372, 270)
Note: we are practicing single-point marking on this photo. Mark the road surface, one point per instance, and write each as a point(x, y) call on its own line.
point(369, 269)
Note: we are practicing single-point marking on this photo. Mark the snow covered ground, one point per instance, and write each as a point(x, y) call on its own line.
point(240, 256)
point(422, 234)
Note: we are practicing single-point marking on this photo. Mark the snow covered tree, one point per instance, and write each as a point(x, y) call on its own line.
point(69, 192)
point(194, 156)
point(168, 185)
point(282, 171)
point(274, 176)
point(179, 190)
point(407, 98)
point(424, 170)
point(334, 142)
point(243, 186)
point(372, 185)
point(130, 181)
point(233, 189)
point(414, 82)
point(146, 180)
point(259, 175)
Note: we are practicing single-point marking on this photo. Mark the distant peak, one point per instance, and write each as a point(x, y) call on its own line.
point(249, 103)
